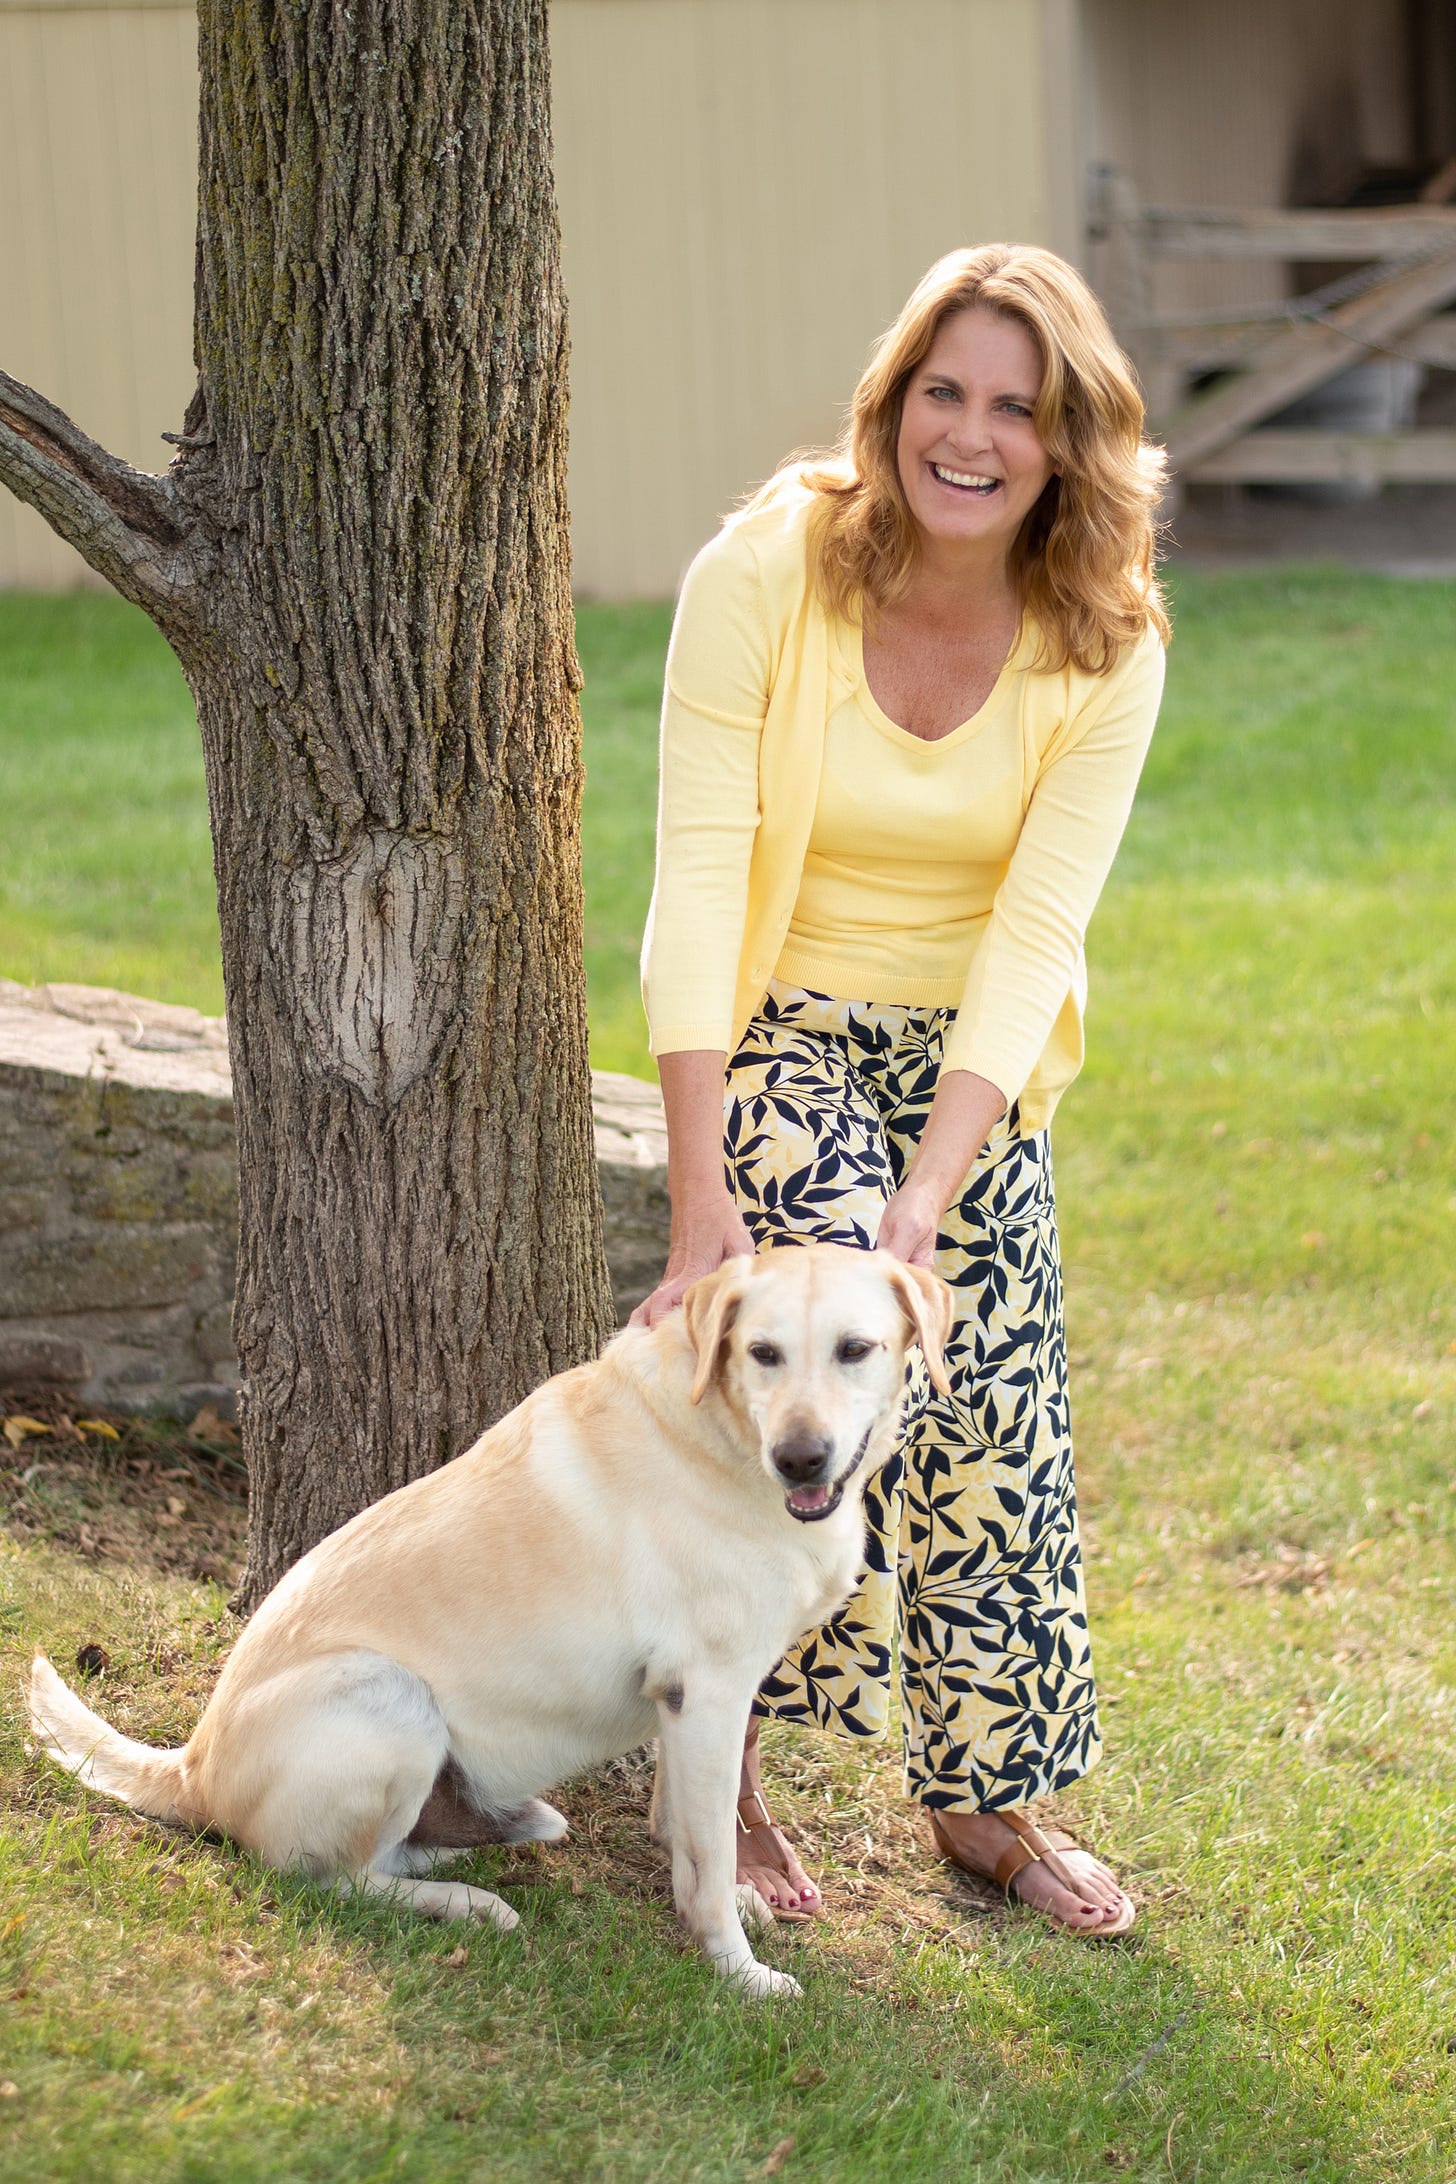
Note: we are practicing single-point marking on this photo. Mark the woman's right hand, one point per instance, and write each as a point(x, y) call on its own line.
point(704, 1234)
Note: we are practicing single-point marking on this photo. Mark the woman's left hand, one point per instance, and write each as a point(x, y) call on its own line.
point(910, 1224)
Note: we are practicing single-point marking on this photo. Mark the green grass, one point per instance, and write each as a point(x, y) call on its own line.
point(1259, 1209)
point(106, 871)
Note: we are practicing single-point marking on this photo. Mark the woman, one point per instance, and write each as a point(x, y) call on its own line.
point(909, 692)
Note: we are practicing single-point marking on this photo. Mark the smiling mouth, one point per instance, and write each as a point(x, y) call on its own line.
point(974, 483)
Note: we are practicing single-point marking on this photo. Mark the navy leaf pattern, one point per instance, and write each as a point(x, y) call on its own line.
point(972, 1547)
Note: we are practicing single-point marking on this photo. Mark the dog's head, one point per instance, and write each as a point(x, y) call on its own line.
point(808, 1345)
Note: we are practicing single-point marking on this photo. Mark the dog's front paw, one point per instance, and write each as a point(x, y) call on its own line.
point(760, 1981)
point(753, 1909)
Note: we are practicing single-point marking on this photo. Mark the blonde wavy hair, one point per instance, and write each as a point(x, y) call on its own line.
point(1083, 563)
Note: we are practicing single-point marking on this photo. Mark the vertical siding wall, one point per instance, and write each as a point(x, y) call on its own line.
point(748, 190)
point(98, 164)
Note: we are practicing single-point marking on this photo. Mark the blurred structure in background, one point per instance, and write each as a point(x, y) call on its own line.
point(749, 188)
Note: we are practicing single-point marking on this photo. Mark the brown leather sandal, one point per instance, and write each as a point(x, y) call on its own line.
point(754, 1818)
point(1033, 1844)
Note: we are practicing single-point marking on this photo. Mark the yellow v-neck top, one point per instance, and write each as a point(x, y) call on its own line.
point(1014, 818)
point(909, 843)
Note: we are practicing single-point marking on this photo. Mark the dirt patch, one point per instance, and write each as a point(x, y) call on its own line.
point(119, 1489)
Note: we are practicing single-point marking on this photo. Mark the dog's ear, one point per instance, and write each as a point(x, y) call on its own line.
point(709, 1310)
point(930, 1307)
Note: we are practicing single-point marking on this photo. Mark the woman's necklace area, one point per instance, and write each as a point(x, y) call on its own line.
point(930, 675)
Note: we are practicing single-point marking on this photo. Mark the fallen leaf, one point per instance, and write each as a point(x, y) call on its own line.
point(9, 2090)
point(98, 1425)
point(777, 2158)
point(92, 1659)
point(806, 2075)
point(17, 1428)
point(176, 1507)
point(207, 1426)
point(458, 1958)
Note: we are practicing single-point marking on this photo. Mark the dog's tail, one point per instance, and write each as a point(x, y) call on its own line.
point(148, 1780)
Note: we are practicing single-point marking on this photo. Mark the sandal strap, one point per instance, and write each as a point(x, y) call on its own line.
point(1035, 1843)
point(753, 1813)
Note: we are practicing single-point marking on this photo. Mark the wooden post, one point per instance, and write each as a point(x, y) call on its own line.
point(1126, 281)
point(1127, 291)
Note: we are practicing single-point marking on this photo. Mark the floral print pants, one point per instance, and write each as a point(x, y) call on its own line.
point(973, 1522)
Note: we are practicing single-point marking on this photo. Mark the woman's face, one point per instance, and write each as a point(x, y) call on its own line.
point(971, 463)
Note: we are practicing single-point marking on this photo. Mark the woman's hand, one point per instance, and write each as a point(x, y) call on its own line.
point(704, 1236)
point(910, 1224)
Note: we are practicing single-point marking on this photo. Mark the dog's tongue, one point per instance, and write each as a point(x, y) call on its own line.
point(809, 1498)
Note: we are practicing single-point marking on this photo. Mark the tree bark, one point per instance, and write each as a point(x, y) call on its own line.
point(374, 616)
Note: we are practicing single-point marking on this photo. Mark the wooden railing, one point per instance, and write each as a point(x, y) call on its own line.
point(1268, 356)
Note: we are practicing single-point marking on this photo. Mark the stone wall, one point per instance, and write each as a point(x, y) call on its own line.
point(118, 1196)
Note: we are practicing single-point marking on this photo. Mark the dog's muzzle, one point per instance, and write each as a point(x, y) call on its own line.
point(802, 1462)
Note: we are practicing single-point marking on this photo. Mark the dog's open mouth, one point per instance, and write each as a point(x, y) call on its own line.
point(810, 1503)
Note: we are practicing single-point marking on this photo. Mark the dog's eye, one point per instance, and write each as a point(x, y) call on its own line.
point(765, 1353)
point(852, 1349)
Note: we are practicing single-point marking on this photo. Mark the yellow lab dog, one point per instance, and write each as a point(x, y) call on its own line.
point(628, 1553)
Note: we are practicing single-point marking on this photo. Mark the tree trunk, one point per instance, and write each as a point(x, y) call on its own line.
point(371, 603)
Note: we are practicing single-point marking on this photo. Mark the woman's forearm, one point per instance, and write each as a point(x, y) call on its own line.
point(692, 1100)
point(707, 1227)
point(962, 1115)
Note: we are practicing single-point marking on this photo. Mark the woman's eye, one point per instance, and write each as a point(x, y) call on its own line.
point(941, 394)
point(764, 1353)
point(1016, 409)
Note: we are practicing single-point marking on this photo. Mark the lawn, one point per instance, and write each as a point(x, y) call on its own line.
point(1259, 1207)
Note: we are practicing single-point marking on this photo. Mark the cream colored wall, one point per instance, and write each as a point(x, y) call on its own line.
point(749, 188)
point(98, 133)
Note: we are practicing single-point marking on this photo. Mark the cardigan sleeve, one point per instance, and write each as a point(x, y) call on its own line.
point(1027, 959)
point(714, 701)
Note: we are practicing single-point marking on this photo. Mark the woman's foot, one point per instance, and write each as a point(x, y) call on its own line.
point(1047, 1872)
point(766, 1859)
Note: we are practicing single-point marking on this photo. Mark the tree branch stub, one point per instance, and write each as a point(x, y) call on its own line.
point(125, 523)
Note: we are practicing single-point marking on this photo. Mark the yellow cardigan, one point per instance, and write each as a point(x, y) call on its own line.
point(751, 680)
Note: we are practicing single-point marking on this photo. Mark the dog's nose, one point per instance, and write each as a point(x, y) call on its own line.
point(802, 1459)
